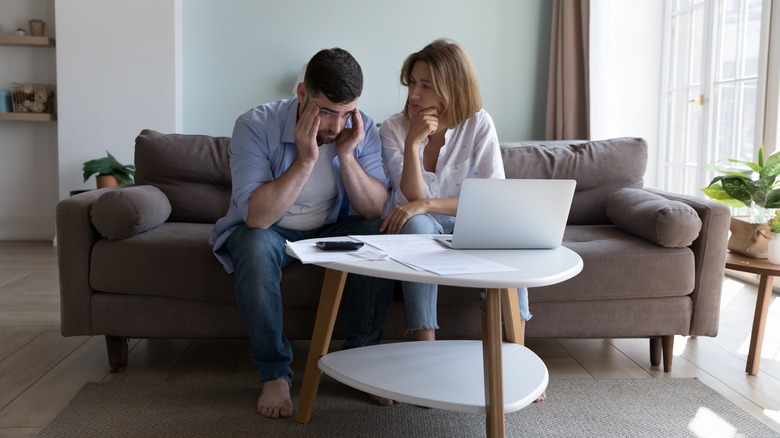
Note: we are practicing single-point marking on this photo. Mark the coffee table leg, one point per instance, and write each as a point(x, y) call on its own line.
point(759, 324)
point(330, 298)
point(514, 327)
point(492, 362)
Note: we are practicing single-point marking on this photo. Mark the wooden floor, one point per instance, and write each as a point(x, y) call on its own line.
point(40, 371)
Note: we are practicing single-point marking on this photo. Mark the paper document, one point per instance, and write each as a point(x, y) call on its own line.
point(421, 252)
point(307, 252)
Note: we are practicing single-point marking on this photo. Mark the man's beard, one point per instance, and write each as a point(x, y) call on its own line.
point(322, 139)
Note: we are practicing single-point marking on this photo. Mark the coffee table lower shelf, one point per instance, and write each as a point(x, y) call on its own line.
point(439, 374)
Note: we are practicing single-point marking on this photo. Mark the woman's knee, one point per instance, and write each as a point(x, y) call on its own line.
point(420, 224)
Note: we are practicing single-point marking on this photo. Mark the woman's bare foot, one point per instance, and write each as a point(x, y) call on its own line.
point(275, 401)
point(541, 397)
point(383, 401)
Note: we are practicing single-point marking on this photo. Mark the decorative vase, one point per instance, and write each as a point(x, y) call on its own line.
point(749, 239)
point(37, 27)
point(773, 250)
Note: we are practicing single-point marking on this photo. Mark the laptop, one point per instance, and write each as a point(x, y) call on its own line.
point(511, 214)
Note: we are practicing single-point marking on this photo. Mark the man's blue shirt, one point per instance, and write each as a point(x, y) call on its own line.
point(263, 147)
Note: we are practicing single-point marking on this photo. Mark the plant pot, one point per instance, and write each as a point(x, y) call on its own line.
point(106, 181)
point(748, 239)
point(37, 28)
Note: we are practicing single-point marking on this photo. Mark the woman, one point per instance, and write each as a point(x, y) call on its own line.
point(442, 137)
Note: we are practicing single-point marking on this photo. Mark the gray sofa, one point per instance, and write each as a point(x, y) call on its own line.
point(134, 261)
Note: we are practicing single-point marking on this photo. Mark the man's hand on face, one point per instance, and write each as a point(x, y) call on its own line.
point(349, 138)
point(306, 132)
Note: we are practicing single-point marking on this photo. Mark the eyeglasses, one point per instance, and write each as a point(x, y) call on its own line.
point(330, 115)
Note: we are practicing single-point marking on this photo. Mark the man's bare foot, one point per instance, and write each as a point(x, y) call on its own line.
point(383, 401)
point(275, 401)
point(541, 397)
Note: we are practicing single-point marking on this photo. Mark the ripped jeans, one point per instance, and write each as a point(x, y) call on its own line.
point(420, 298)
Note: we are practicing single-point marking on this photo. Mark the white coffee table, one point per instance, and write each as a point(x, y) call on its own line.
point(439, 367)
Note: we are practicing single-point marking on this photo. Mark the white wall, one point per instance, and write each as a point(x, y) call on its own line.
point(625, 72)
point(194, 66)
point(241, 53)
point(28, 150)
point(117, 70)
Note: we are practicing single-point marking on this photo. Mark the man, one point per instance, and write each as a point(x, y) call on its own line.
point(302, 168)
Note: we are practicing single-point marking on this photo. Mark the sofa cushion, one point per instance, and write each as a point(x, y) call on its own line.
point(662, 221)
point(122, 213)
point(618, 265)
point(192, 170)
point(599, 167)
point(175, 261)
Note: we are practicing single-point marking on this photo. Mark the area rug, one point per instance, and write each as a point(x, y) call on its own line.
point(574, 408)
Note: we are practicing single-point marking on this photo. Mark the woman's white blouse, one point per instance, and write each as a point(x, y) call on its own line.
point(471, 150)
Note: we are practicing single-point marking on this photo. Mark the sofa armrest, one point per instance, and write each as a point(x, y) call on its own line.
point(709, 251)
point(75, 238)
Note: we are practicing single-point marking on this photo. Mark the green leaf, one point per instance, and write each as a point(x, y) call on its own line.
point(109, 165)
point(716, 192)
point(753, 166)
point(738, 189)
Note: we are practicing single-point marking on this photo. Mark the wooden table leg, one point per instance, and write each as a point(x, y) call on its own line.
point(330, 298)
point(492, 363)
point(514, 327)
point(759, 323)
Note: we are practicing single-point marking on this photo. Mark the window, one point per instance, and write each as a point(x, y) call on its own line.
point(713, 109)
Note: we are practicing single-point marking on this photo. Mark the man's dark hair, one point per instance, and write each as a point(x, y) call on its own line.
point(334, 73)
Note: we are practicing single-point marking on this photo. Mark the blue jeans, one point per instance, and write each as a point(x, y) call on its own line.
point(259, 257)
point(420, 298)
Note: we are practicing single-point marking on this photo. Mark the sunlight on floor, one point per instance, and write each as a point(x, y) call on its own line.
point(679, 345)
point(707, 424)
point(773, 415)
point(731, 288)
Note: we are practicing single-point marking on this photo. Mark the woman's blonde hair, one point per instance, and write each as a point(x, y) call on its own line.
point(453, 79)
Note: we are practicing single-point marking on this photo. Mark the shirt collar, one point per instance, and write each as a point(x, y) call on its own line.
point(288, 136)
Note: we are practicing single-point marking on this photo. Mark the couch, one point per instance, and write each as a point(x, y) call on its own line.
point(134, 261)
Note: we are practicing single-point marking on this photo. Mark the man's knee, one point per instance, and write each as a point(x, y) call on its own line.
point(254, 243)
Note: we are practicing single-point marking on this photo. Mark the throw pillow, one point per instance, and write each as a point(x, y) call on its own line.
point(671, 224)
point(125, 212)
point(600, 168)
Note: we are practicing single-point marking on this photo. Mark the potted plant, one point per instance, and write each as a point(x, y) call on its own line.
point(755, 187)
point(109, 172)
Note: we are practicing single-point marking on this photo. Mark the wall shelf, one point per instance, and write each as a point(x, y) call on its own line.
point(28, 117)
point(40, 41)
point(13, 40)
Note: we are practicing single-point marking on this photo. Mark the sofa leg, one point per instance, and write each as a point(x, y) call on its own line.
point(117, 352)
point(665, 345)
point(655, 351)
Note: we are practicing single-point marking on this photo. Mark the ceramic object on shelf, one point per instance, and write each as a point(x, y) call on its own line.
point(773, 249)
point(37, 27)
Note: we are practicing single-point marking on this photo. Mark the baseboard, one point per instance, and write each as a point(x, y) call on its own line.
point(27, 228)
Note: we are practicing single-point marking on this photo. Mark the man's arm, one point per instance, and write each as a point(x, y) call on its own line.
point(366, 193)
point(272, 200)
